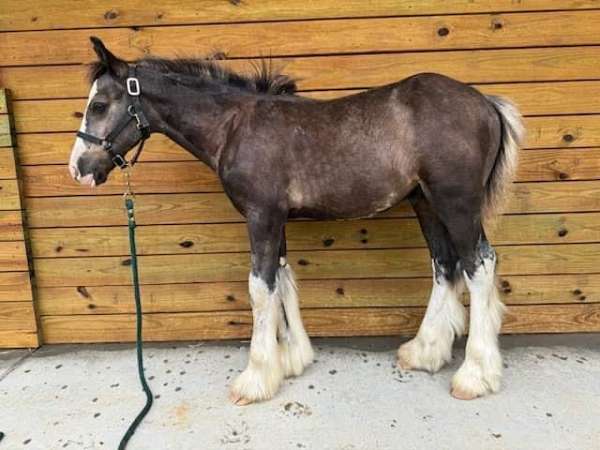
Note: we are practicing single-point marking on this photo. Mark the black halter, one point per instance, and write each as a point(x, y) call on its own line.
point(134, 112)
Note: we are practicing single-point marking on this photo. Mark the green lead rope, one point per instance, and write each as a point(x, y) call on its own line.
point(138, 314)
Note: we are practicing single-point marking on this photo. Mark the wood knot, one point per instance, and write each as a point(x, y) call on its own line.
point(364, 241)
point(340, 291)
point(303, 262)
point(443, 31)
point(81, 290)
point(186, 244)
point(78, 115)
point(111, 14)
point(126, 262)
point(582, 298)
point(562, 232)
point(505, 287)
point(577, 291)
point(363, 231)
point(91, 306)
point(328, 242)
point(568, 137)
point(58, 249)
point(563, 175)
point(34, 19)
point(497, 24)
point(230, 298)
point(235, 2)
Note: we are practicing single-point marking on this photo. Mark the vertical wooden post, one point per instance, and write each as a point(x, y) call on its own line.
point(18, 324)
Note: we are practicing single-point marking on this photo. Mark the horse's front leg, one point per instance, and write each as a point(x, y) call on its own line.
point(264, 373)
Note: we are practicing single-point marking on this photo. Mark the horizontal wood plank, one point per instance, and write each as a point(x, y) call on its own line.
point(167, 177)
point(33, 15)
point(306, 235)
point(559, 164)
point(155, 209)
point(194, 176)
point(542, 131)
point(7, 163)
point(533, 99)
point(15, 287)
point(394, 263)
point(3, 102)
point(19, 339)
point(55, 148)
point(9, 195)
point(17, 316)
point(11, 227)
point(5, 133)
point(356, 71)
point(233, 295)
point(319, 322)
point(320, 37)
point(13, 256)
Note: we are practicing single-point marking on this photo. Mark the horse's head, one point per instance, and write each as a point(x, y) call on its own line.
point(109, 128)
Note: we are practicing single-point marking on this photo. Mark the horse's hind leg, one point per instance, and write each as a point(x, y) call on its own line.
point(481, 371)
point(294, 343)
point(445, 315)
point(261, 379)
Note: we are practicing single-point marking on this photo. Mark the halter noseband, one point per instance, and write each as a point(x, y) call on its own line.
point(134, 112)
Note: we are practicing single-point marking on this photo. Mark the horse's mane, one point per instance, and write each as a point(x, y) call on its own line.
point(264, 80)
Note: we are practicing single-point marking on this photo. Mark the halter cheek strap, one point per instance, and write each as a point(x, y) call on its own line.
point(134, 112)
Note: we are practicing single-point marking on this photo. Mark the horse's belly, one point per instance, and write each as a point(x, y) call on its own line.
point(338, 201)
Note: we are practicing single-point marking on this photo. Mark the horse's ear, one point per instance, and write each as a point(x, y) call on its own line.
point(113, 64)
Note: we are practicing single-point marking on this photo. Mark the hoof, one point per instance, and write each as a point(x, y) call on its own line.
point(419, 355)
point(236, 399)
point(257, 383)
point(404, 361)
point(461, 394)
point(472, 381)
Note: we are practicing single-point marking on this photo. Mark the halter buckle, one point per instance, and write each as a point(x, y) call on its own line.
point(133, 86)
point(119, 161)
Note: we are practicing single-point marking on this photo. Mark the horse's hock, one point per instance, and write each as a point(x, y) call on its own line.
point(366, 277)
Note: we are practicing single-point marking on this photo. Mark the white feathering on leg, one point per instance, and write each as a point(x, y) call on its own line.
point(296, 352)
point(444, 320)
point(264, 373)
point(481, 371)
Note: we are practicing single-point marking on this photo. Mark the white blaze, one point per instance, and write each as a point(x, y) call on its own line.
point(80, 145)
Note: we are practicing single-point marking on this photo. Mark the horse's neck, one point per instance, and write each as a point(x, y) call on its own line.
point(200, 123)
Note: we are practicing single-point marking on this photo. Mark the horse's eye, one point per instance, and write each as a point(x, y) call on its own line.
point(98, 107)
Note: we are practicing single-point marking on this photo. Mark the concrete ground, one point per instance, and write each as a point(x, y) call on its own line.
point(353, 398)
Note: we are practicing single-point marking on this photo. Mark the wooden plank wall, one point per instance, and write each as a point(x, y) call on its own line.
point(367, 277)
point(18, 327)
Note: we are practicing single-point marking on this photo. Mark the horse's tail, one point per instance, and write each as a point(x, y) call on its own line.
point(505, 164)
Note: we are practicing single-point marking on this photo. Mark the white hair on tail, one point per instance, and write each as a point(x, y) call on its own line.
point(503, 172)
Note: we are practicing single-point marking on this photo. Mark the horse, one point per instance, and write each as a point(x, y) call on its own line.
point(441, 144)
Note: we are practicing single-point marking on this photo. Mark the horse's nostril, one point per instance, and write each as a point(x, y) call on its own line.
point(99, 177)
